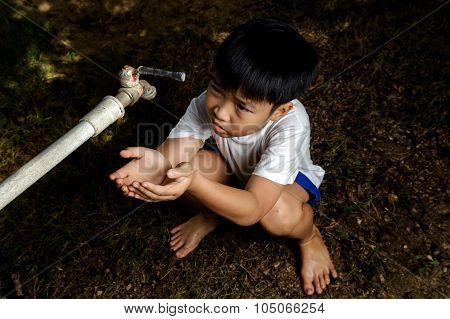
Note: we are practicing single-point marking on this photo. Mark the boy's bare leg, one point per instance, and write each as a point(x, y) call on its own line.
point(293, 217)
point(186, 237)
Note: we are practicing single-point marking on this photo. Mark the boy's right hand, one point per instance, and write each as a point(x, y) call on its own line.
point(147, 165)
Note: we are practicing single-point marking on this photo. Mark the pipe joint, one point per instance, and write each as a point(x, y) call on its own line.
point(104, 114)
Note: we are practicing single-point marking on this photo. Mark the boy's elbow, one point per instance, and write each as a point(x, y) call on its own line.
point(249, 220)
point(246, 222)
point(252, 216)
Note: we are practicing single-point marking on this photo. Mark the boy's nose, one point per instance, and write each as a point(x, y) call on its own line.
point(222, 112)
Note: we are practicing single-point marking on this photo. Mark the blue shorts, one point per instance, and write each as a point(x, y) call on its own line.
point(313, 191)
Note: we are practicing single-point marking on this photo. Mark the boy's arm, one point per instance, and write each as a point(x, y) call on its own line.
point(187, 137)
point(278, 162)
point(177, 150)
point(244, 207)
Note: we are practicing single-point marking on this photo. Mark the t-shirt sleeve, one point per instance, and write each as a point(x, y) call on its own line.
point(281, 159)
point(194, 123)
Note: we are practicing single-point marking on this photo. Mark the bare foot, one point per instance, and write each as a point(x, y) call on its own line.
point(316, 264)
point(186, 237)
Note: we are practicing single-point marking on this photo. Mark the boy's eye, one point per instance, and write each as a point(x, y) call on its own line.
point(242, 108)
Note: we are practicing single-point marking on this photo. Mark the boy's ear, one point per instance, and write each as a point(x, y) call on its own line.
point(281, 111)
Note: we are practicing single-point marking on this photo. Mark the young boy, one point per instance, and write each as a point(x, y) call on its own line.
point(262, 135)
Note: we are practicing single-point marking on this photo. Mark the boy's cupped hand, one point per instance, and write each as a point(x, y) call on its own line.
point(147, 165)
point(179, 180)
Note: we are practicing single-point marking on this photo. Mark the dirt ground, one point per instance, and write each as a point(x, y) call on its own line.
point(379, 129)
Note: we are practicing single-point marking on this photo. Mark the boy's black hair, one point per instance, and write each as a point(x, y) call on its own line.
point(268, 60)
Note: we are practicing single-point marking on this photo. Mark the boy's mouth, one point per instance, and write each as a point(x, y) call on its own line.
point(218, 128)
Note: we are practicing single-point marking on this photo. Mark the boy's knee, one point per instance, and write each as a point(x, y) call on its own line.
point(306, 210)
point(285, 217)
point(278, 222)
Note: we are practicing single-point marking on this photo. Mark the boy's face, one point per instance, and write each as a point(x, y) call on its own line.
point(232, 115)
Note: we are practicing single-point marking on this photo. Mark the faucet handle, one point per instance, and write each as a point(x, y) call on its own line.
point(179, 76)
point(129, 76)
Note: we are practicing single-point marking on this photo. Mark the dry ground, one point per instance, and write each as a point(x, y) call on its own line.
point(379, 130)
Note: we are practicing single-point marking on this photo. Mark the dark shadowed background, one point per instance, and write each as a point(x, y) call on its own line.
point(379, 130)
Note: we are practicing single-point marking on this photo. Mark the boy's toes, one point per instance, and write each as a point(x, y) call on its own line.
point(182, 252)
point(323, 285)
point(317, 285)
point(176, 229)
point(175, 241)
point(308, 287)
point(177, 246)
point(173, 237)
point(333, 272)
point(327, 279)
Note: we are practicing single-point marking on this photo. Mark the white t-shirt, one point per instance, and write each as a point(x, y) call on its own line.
point(277, 151)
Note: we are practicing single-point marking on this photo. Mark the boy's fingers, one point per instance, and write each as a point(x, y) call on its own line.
point(137, 196)
point(165, 190)
point(135, 152)
point(182, 170)
point(125, 189)
point(156, 189)
point(157, 198)
point(120, 173)
point(174, 174)
point(152, 196)
point(117, 174)
point(137, 191)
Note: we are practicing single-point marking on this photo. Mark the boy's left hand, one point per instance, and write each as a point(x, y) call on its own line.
point(181, 179)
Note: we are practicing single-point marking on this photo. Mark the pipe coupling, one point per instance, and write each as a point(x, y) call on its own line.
point(104, 114)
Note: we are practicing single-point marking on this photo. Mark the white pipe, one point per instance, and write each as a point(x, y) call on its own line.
point(104, 114)
point(28, 174)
